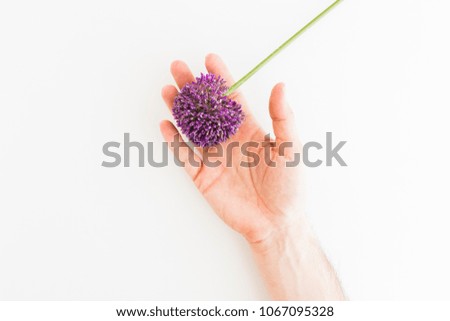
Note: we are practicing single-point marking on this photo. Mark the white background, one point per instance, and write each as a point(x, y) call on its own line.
point(74, 75)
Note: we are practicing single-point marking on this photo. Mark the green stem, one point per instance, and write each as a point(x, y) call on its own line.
point(280, 48)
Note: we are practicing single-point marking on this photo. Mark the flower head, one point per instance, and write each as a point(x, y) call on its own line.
point(204, 113)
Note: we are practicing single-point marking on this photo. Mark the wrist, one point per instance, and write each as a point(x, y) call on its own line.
point(287, 231)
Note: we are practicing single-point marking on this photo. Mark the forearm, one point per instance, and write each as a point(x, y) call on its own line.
point(294, 266)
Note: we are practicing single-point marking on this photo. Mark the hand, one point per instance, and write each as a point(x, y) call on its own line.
point(262, 202)
point(255, 201)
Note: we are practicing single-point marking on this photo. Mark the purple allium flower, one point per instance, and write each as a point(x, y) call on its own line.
point(204, 113)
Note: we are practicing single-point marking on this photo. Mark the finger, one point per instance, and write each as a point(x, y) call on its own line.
point(169, 93)
point(183, 153)
point(282, 115)
point(181, 73)
point(215, 65)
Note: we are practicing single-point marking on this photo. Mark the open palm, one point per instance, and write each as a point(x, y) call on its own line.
point(253, 200)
